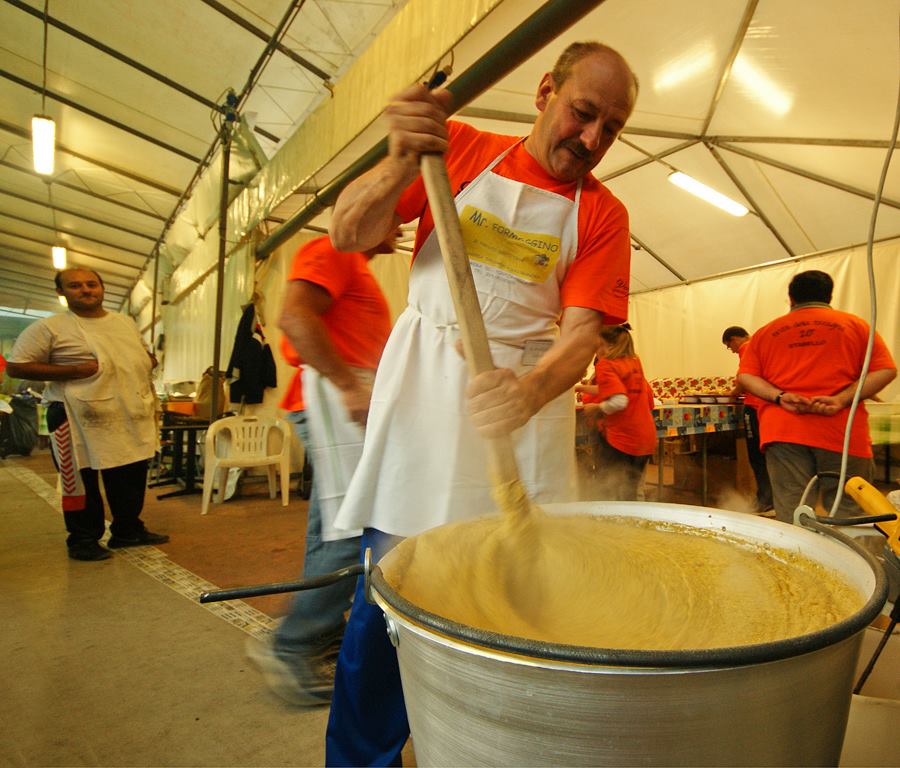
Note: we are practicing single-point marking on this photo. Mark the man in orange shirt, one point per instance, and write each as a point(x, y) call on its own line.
point(335, 322)
point(805, 366)
point(735, 340)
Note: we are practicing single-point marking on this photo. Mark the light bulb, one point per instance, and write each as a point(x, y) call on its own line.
point(696, 188)
point(59, 256)
point(43, 143)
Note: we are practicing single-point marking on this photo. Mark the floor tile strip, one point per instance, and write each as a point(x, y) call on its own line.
point(156, 564)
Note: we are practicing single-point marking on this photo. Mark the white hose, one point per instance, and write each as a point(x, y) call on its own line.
point(873, 307)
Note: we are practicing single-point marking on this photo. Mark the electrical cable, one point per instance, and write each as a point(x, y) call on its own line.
point(44, 84)
point(873, 302)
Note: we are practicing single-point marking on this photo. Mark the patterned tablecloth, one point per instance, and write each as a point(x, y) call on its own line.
point(884, 423)
point(683, 419)
point(676, 420)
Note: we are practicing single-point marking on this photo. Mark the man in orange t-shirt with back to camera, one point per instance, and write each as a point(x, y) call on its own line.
point(805, 367)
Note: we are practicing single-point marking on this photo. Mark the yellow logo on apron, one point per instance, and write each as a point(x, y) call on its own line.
point(527, 255)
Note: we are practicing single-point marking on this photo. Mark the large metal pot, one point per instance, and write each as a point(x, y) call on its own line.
point(479, 698)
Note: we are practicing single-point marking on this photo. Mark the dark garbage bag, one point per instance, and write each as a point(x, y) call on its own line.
point(19, 430)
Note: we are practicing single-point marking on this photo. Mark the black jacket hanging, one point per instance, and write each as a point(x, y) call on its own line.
point(253, 359)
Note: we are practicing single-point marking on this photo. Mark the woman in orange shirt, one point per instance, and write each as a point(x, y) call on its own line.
point(620, 398)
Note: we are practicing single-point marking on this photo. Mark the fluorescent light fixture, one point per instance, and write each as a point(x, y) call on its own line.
point(59, 256)
point(43, 143)
point(62, 300)
point(763, 89)
point(689, 184)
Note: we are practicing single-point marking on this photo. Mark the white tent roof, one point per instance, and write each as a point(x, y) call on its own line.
point(805, 157)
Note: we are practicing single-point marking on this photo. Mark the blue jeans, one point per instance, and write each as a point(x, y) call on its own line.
point(316, 616)
point(367, 724)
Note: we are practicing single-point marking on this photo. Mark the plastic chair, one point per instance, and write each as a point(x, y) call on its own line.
point(243, 441)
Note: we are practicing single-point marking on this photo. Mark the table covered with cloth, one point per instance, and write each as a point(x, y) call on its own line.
point(679, 419)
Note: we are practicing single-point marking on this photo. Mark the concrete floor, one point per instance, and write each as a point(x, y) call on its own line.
point(116, 663)
point(106, 665)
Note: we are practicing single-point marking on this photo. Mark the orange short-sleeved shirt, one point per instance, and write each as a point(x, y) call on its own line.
point(632, 430)
point(599, 275)
point(813, 350)
point(358, 321)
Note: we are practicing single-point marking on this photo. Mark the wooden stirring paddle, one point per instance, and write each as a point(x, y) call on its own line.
point(509, 493)
point(513, 559)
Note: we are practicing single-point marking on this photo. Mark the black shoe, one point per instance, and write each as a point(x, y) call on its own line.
point(139, 539)
point(88, 550)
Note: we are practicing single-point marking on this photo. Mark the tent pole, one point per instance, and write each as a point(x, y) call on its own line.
point(545, 24)
point(153, 305)
point(223, 243)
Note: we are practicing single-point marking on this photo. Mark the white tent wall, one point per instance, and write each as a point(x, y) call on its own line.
point(189, 322)
point(678, 330)
point(420, 34)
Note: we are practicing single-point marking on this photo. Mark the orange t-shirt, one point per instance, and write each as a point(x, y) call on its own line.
point(752, 400)
point(358, 321)
point(632, 430)
point(813, 350)
point(598, 277)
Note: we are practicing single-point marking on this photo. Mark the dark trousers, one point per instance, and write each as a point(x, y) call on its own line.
point(757, 460)
point(618, 474)
point(367, 724)
point(124, 488)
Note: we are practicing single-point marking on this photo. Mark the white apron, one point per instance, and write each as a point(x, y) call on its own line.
point(336, 444)
point(113, 413)
point(423, 463)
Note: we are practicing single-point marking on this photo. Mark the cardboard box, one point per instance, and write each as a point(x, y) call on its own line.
point(726, 476)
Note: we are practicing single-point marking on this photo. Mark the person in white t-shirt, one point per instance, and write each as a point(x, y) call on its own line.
point(101, 413)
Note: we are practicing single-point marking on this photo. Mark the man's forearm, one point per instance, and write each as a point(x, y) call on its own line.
point(49, 371)
point(874, 382)
point(364, 214)
point(565, 362)
point(756, 385)
point(309, 336)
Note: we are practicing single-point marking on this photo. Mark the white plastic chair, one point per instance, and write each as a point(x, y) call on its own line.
point(243, 441)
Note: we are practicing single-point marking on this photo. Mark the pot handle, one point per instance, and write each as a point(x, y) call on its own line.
point(811, 521)
point(287, 586)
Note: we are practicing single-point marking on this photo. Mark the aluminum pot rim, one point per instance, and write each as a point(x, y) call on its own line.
point(731, 656)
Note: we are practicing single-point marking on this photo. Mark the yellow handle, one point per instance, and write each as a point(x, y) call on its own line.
point(874, 502)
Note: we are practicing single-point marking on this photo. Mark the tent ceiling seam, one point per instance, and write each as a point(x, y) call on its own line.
point(162, 187)
point(127, 267)
point(807, 175)
point(56, 208)
point(771, 264)
point(69, 232)
point(649, 157)
point(757, 209)
point(653, 254)
point(85, 190)
point(774, 189)
point(112, 52)
point(724, 76)
point(100, 116)
point(280, 47)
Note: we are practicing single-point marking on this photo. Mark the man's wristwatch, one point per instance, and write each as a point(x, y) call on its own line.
point(777, 399)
